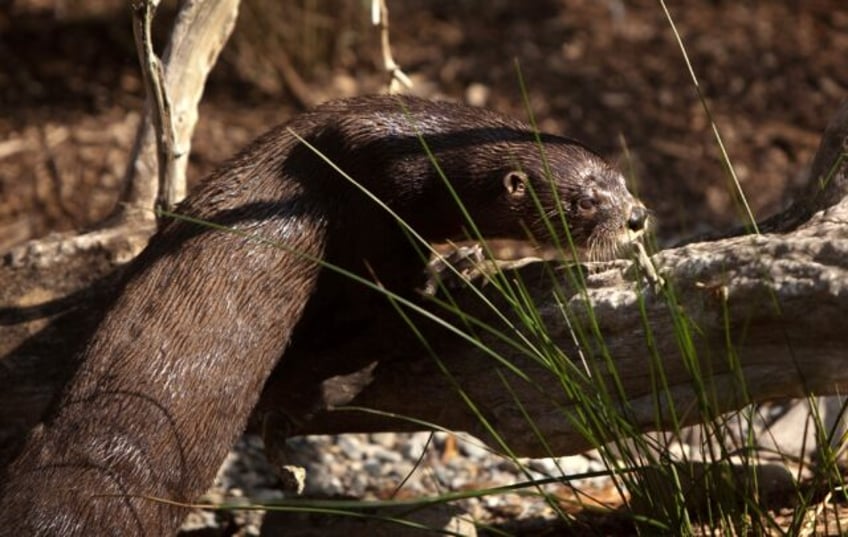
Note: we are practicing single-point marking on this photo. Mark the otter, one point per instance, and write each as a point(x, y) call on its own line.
point(168, 380)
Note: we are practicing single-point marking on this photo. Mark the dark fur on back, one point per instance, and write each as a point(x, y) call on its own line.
point(171, 375)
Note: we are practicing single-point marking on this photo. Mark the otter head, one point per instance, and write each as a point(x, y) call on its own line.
point(572, 192)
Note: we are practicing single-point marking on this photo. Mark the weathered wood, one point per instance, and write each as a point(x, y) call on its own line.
point(198, 36)
point(784, 297)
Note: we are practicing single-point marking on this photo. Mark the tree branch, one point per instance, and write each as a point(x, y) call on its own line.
point(200, 32)
point(171, 181)
point(783, 299)
point(397, 79)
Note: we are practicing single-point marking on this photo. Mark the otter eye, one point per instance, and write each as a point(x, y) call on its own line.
point(515, 183)
point(586, 204)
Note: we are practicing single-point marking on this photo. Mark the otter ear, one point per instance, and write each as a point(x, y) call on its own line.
point(515, 183)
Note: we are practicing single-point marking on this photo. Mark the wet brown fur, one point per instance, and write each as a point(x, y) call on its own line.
point(171, 375)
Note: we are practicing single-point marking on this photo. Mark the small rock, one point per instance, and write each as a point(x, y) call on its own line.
point(386, 440)
point(387, 455)
point(373, 468)
point(350, 446)
point(477, 94)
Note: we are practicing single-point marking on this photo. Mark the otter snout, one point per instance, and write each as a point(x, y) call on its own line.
point(637, 219)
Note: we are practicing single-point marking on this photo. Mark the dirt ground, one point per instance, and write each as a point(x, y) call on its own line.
point(607, 72)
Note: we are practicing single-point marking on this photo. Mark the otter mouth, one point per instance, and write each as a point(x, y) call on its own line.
point(605, 244)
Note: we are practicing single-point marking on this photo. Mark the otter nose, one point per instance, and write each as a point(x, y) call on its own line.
point(637, 218)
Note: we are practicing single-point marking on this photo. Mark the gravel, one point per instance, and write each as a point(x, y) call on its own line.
point(414, 465)
point(380, 467)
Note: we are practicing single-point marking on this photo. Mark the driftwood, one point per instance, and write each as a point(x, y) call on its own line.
point(780, 299)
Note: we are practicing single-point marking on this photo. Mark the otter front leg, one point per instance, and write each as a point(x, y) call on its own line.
point(299, 389)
